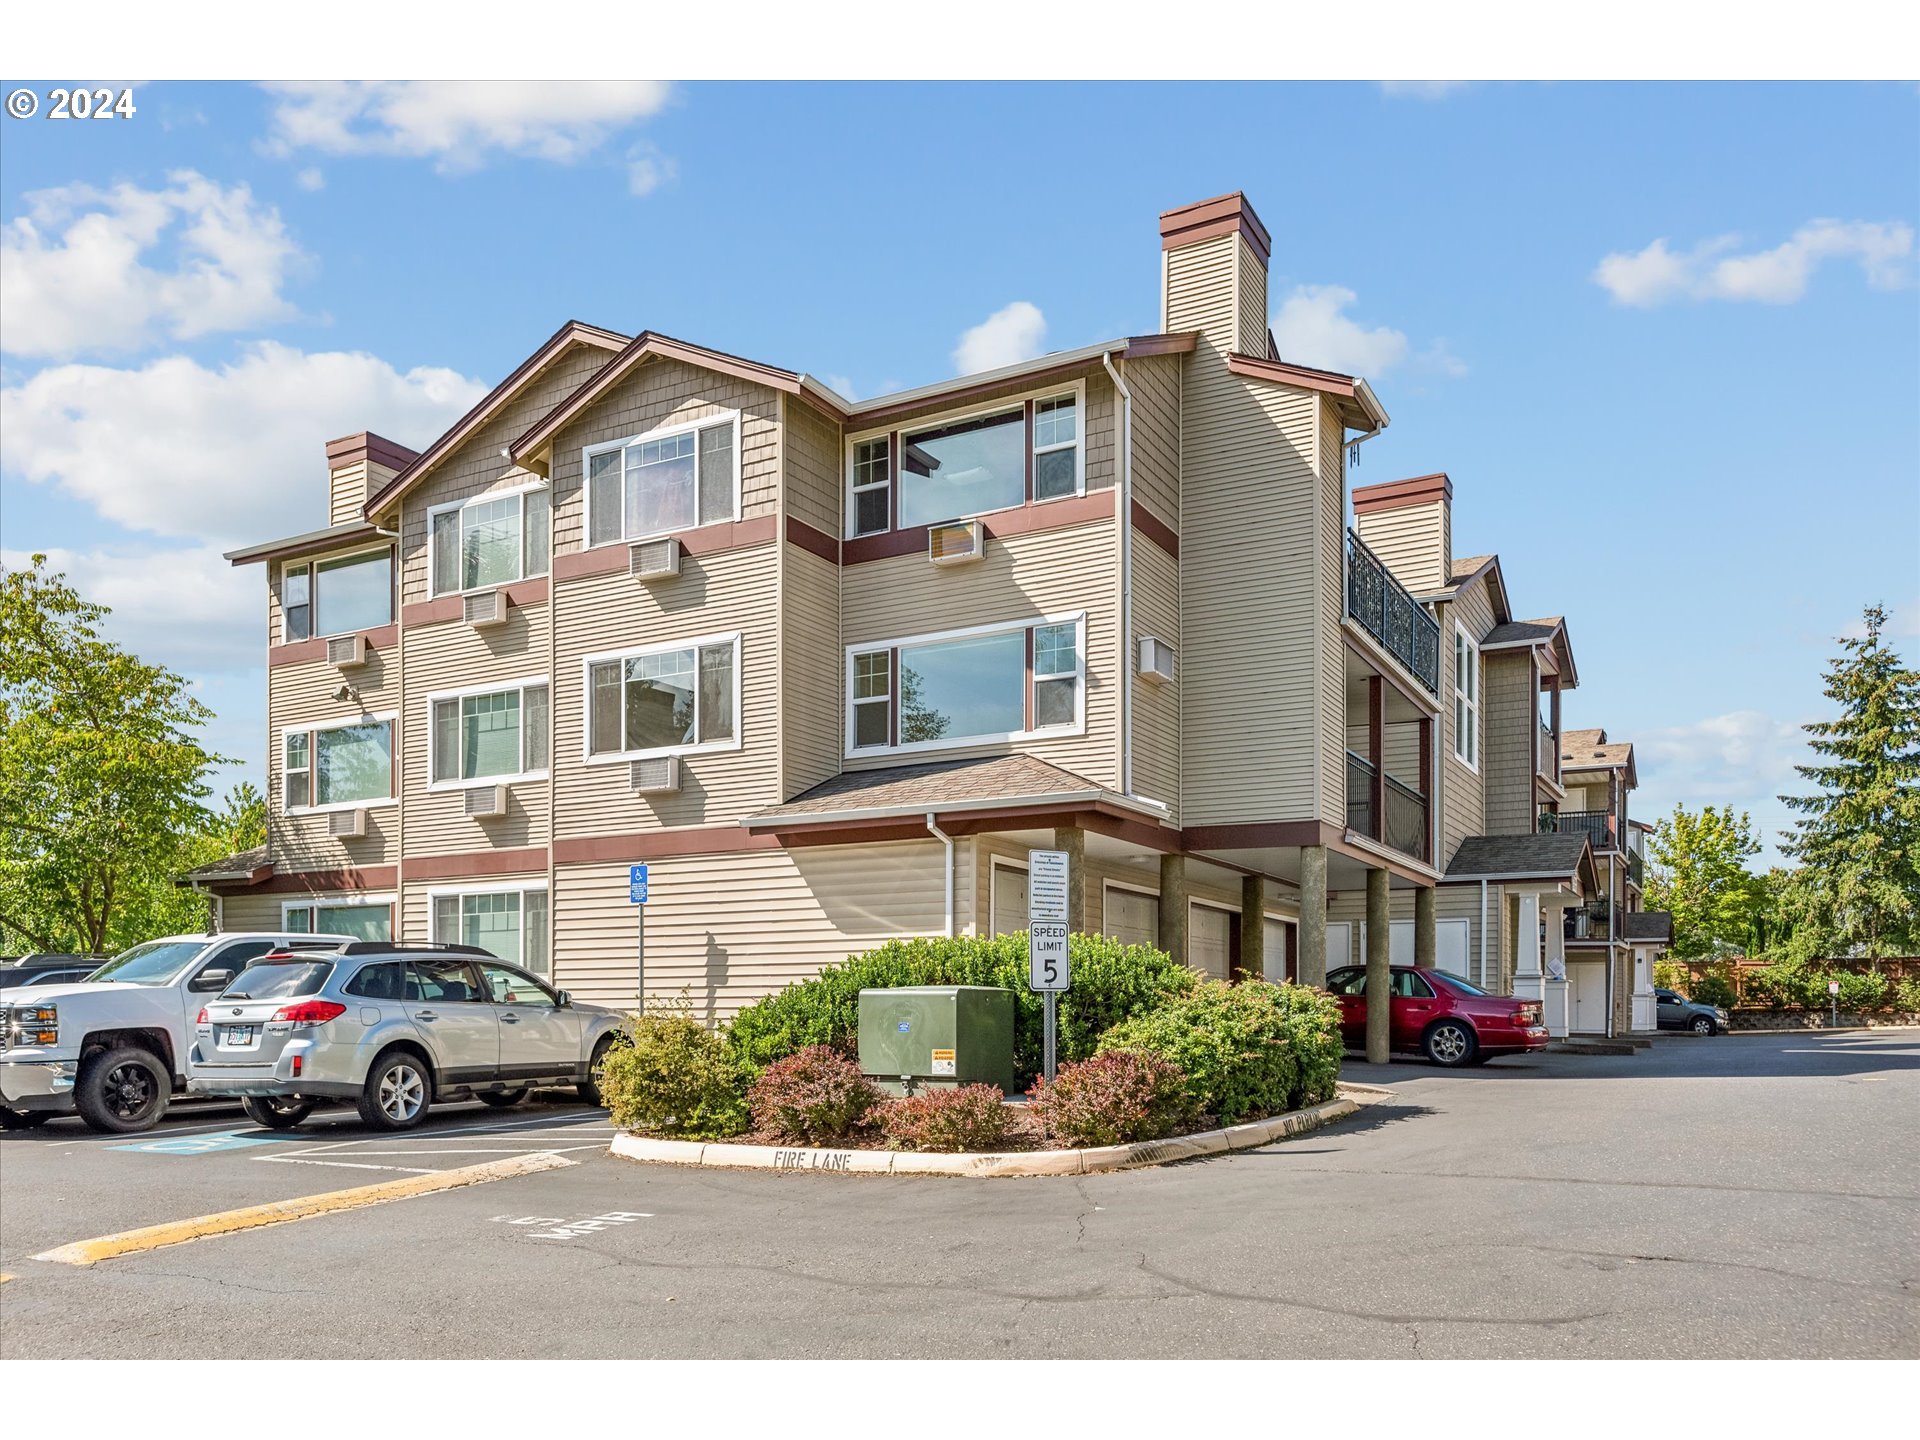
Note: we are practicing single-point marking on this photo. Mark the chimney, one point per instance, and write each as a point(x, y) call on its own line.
point(358, 465)
point(1409, 525)
point(1214, 274)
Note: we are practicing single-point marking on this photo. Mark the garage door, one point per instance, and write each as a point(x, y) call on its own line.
point(1209, 938)
point(1339, 945)
point(1587, 985)
point(1131, 917)
point(1009, 899)
point(1273, 950)
point(1450, 945)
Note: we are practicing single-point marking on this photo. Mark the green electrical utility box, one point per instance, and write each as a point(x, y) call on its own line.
point(920, 1037)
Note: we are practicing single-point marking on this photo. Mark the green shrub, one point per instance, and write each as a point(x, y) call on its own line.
point(1859, 989)
point(1248, 1050)
point(1906, 995)
point(961, 1117)
point(812, 1097)
point(1784, 985)
point(672, 1076)
point(1712, 990)
point(1111, 983)
point(1115, 1098)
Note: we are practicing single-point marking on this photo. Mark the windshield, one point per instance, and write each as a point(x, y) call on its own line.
point(158, 962)
point(279, 979)
point(1465, 987)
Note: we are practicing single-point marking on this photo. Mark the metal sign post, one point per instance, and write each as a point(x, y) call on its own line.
point(637, 897)
point(1048, 968)
point(1833, 997)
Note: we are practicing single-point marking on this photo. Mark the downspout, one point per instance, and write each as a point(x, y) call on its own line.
point(933, 826)
point(1125, 517)
point(397, 912)
point(1483, 932)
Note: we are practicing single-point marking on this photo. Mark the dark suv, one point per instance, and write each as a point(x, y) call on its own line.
point(1674, 1011)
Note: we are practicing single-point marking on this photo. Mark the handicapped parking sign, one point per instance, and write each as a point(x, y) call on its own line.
point(637, 884)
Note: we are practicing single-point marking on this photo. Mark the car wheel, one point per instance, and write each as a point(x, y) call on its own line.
point(1451, 1044)
point(1702, 1025)
point(274, 1112)
point(500, 1099)
point(122, 1091)
point(590, 1092)
point(23, 1119)
point(397, 1092)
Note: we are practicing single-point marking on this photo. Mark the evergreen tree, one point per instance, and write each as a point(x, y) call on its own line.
point(1858, 843)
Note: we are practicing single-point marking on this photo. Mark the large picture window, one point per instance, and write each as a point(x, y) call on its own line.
point(490, 734)
point(508, 924)
point(354, 593)
point(661, 701)
point(339, 765)
point(490, 541)
point(995, 683)
point(363, 917)
point(664, 481)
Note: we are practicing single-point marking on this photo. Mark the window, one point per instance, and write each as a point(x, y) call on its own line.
point(1056, 448)
point(1347, 982)
point(296, 610)
point(963, 469)
point(493, 733)
point(509, 924)
point(357, 919)
point(872, 486)
point(279, 979)
point(1408, 986)
point(445, 981)
point(1466, 698)
point(353, 594)
point(489, 541)
point(994, 684)
point(386, 981)
point(339, 765)
point(510, 987)
point(656, 701)
point(665, 481)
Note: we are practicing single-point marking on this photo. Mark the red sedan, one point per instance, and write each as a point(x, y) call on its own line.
point(1451, 1020)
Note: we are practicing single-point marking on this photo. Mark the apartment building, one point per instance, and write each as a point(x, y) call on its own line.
point(831, 668)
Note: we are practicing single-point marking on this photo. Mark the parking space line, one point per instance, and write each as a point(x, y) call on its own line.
point(346, 1164)
point(280, 1212)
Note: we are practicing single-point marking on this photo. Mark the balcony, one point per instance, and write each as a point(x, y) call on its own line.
point(1589, 922)
point(1381, 606)
point(1406, 810)
point(1596, 825)
point(1636, 870)
point(1549, 766)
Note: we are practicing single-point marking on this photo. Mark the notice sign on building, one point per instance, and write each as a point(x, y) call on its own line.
point(1047, 879)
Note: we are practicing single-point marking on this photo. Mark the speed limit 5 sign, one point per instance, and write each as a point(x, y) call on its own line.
point(1047, 956)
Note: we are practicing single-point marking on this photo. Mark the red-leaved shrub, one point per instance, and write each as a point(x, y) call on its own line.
point(811, 1097)
point(965, 1117)
point(1115, 1098)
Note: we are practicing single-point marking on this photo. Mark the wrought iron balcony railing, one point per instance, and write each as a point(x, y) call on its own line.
point(1596, 825)
point(1381, 606)
point(1589, 922)
point(1359, 795)
point(1406, 816)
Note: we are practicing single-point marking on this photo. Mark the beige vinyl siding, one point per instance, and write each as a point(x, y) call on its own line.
point(1022, 578)
point(813, 671)
point(302, 694)
point(816, 483)
point(1200, 292)
point(1250, 299)
point(1155, 382)
point(1463, 793)
point(1156, 703)
point(413, 916)
point(1509, 716)
point(718, 594)
point(1330, 646)
point(1451, 902)
point(240, 913)
point(1412, 542)
point(811, 907)
point(349, 486)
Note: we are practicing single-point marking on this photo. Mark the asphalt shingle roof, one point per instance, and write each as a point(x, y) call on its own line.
point(232, 867)
point(930, 786)
point(1646, 925)
point(1551, 856)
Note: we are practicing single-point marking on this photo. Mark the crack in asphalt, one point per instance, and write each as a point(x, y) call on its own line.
point(838, 1282)
point(1543, 1322)
point(1630, 1184)
point(1897, 1288)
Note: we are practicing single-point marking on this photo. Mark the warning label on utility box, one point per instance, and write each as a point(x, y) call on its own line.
point(943, 1062)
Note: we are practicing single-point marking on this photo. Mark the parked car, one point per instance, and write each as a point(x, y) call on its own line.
point(1674, 1011)
point(47, 969)
point(1453, 1021)
point(114, 1045)
point(392, 1028)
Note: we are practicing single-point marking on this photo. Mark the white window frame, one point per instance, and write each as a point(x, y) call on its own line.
point(519, 492)
point(662, 432)
point(1471, 702)
point(522, 888)
point(390, 717)
point(288, 569)
point(314, 562)
point(1077, 618)
point(621, 757)
point(499, 687)
point(940, 418)
point(855, 489)
point(343, 900)
point(1078, 393)
point(1001, 862)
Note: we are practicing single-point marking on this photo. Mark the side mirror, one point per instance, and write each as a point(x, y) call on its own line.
point(213, 980)
point(565, 999)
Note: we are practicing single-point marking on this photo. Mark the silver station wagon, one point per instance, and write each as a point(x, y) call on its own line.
point(392, 1028)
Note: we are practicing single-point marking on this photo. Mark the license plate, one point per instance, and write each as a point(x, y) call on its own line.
point(236, 1035)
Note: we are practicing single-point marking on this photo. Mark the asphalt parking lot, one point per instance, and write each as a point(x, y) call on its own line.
point(1740, 1196)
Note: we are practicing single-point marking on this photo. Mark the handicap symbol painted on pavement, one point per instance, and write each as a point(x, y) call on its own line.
point(201, 1144)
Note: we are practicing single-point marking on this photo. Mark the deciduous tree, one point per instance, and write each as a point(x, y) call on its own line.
point(1700, 875)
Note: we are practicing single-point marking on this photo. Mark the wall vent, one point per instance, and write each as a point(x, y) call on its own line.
point(484, 801)
point(1156, 660)
point(654, 559)
point(345, 651)
point(658, 776)
point(483, 608)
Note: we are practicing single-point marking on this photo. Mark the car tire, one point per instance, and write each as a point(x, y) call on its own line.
point(122, 1091)
point(501, 1099)
point(590, 1092)
point(23, 1119)
point(1702, 1025)
point(271, 1112)
point(397, 1092)
point(1451, 1044)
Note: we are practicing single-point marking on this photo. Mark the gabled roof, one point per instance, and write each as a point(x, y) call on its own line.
point(993, 782)
point(1555, 855)
point(1469, 569)
point(574, 332)
point(1547, 633)
point(1591, 750)
point(1360, 408)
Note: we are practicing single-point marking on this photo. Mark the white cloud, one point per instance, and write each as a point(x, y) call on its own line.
point(1312, 328)
point(1423, 89)
point(1744, 759)
point(78, 273)
point(1439, 359)
point(1712, 270)
point(648, 169)
point(232, 454)
point(458, 122)
point(1005, 337)
point(311, 178)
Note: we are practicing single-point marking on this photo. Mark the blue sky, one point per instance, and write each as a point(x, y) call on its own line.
point(1709, 463)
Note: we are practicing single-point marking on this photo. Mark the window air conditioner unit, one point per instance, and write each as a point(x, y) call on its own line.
point(485, 801)
point(484, 608)
point(957, 542)
point(344, 651)
point(1156, 659)
point(654, 559)
point(347, 824)
point(659, 776)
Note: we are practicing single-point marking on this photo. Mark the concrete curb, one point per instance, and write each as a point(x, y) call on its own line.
point(1026, 1162)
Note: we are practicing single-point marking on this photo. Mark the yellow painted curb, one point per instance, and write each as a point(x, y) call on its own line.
point(279, 1212)
point(5, 1278)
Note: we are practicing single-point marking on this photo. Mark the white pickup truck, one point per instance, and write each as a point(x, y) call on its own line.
point(114, 1046)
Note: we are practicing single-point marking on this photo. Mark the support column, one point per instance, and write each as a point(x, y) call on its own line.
point(1377, 753)
point(1253, 928)
point(1313, 915)
point(1379, 972)
point(1173, 906)
point(1073, 840)
point(1426, 934)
